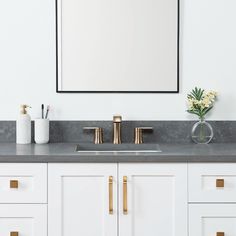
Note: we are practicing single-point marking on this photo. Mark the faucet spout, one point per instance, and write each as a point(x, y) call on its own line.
point(117, 119)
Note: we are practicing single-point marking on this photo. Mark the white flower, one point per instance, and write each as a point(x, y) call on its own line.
point(190, 103)
point(199, 103)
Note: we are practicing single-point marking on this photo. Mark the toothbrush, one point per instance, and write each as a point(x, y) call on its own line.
point(42, 107)
point(48, 108)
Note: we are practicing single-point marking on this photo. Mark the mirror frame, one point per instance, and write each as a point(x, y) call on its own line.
point(71, 91)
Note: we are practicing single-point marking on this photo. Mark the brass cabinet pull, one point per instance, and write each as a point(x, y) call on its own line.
point(14, 234)
point(110, 195)
point(125, 204)
point(220, 234)
point(220, 183)
point(14, 183)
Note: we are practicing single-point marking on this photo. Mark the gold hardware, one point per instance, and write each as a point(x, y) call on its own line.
point(117, 129)
point(117, 118)
point(220, 183)
point(14, 234)
point(110, 195)
point(98, 137)
point(220, 234)
point(14, 184)
point(125, 204)
point(23, 109)
point(98, 134)
point(138, 134)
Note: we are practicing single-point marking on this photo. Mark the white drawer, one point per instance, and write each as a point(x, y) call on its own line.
point(23, 220)
point(212, 182)
point(23, 183)
point(212, 219)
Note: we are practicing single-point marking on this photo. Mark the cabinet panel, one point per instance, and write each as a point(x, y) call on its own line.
point(212, 182)
point(208, 220)
point(23, 183)
point(79, 199)
point(156, 199)
point(24, 219)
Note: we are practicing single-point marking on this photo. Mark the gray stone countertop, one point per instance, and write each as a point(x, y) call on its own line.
point(65, 153)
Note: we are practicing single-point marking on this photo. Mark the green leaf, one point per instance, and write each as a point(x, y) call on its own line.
point(196, 93)
point(206, 110)
point(193, 112)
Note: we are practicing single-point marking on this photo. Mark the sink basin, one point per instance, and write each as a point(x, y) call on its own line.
point(120, 148)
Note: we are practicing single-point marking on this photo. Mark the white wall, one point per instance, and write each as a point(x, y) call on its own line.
point(27, 65)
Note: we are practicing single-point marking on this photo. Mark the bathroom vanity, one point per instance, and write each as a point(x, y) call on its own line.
point(52, 190)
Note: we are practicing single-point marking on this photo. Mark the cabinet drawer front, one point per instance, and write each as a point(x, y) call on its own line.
point(212, 219)
point(23, 183)
point(23, 220)
point(212, 182)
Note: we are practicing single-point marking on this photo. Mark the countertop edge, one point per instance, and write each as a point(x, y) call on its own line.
point(117, 159)
point(65, 153)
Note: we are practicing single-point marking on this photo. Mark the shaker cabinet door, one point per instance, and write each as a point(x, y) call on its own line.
point(212, 219)
point(82, 199)
point(153, 199)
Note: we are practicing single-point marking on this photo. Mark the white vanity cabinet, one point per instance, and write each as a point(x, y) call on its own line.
point(84, 199)
point(118, 199)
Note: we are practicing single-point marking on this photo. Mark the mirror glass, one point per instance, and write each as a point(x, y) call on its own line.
point(117, 46)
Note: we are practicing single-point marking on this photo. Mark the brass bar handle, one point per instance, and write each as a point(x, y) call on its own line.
point(125, 204)
point(14, 234)
point(14, 184)
point(220, 183)
point(110, 195)
point(220, 234)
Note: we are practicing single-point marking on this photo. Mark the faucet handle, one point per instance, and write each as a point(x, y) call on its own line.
point(138, 134)
point(98, 134)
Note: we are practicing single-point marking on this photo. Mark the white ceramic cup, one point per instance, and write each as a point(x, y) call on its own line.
point(41, 131)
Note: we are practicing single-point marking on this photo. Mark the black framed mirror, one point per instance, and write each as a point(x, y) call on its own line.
point(111, 46)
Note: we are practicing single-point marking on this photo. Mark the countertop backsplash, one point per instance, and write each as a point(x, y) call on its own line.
point(164, 131)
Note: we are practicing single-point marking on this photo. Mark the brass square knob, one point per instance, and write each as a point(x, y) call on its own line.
point(14, 234)
point(220, 234)
point(220, 183)
point(14, 184)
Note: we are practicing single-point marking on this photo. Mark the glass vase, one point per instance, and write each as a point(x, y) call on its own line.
point(202, 132)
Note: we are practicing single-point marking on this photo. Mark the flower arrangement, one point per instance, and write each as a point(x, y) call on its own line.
point(200, 102)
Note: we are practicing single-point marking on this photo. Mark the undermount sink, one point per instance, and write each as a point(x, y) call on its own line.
point(124, 147)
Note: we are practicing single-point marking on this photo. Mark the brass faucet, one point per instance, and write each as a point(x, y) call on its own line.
point(117, 129)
